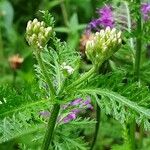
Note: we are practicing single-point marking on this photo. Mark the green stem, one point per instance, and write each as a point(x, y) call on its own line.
point(138, 44)
point(50, 129)
point(141, 136)
point(64, 13)
point(129, 29)
point(137, 68)
point(96, 126)
point(132, 134)
point(82, 78)
point(47, 78)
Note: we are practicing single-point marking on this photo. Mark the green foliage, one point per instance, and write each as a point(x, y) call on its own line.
point(116, 93)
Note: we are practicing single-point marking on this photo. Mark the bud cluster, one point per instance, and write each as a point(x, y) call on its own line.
point(37, 34)
point(103, 45)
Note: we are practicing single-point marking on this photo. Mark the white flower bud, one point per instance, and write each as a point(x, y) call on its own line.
point(119, 34)
point(119, 41)
point(49, 29)
point(42, 29)
point(108, 29)
point(37, 34)
point(35, 21)
point(43, 24)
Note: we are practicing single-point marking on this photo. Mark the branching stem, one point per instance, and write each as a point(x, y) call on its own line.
point(53, 117)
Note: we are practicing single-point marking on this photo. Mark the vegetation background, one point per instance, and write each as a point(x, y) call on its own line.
point(71, 19)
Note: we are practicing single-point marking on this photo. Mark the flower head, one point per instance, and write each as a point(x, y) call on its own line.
point(103, 45)
point(37, 34)
point(105, 19)
point(106, 16)
point(15, 61)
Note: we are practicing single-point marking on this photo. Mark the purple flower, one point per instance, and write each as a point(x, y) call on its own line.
point(69, 117)
point(105, 19)
point(106, 16)
point(75, 107)
point(145, 8)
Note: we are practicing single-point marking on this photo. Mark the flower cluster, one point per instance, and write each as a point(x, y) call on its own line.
point(105, 19)
point(103, 45)
point(37, 34)
point(145, 8)
point(75, 107)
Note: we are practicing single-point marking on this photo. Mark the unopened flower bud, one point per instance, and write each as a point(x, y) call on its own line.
point(43, 24)
point(37, 34)
point(103, 45)
point(35, 21)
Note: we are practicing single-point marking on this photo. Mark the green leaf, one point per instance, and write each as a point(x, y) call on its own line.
point(120, 107)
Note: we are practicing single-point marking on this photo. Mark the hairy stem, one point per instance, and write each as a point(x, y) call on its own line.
point(96, 126)
point(129, 30)
point(47, 78)
point(138, 44)
point(50, 129)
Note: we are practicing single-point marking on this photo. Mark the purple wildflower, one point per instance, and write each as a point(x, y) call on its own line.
point(106, 16)
point(145, 8)
point(69, 117)
point(105, 19)
point(76, 106)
